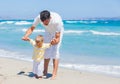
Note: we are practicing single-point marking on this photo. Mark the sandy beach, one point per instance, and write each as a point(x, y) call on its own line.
point(11, 73)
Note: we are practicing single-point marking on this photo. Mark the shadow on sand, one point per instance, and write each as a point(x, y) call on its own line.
point(31, 74)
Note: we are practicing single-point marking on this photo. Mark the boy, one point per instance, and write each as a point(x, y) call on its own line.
point(38, 55)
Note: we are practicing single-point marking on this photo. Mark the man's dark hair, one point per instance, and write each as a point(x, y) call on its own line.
point(44, 15)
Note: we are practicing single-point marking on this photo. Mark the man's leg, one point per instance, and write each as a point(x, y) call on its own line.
point(46, 62)
point(55, 68)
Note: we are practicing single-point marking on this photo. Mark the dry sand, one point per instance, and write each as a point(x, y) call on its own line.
point(10, 74)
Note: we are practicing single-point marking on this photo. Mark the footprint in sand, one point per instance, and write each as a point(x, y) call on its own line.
point(2, 78)
point(1, 75)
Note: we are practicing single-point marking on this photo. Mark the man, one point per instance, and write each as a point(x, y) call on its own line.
point(53, 25)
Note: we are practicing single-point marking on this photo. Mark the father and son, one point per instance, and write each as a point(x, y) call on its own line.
point(46, 47)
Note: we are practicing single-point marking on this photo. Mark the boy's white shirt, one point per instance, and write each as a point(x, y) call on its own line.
point(38, 53)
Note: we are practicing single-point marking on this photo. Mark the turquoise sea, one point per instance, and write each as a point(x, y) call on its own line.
point(88, 45)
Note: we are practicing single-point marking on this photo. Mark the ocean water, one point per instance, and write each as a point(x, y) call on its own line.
point(88, 45)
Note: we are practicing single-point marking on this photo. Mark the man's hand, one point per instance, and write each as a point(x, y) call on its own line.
point(28, 32)
point(25, 38)
point(54, 41)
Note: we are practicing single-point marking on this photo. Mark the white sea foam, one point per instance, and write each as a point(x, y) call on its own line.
point(92, 31)
point(74, 31)
point(66, 32)
point(81, 21)
point(105, 33)
point(36, 30)
point(81, 32)
point(16, 22)
point(11, 54)
point(22, 23)
point(7, 22)
point(88, 22)
point(69, 21)
point(113, 70)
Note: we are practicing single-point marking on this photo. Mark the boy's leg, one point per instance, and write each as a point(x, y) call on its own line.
point(46, 62)
point(40, 69)
point(34, 67)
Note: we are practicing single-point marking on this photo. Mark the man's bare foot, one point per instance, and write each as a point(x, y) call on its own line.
point(53, 77)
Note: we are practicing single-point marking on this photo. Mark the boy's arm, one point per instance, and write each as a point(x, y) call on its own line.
point(32, 42)
point(47, 45)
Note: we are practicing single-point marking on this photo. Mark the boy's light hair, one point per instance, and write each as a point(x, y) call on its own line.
point(39, 38)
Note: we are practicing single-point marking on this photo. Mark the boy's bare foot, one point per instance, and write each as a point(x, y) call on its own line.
point(39, 77)
point(44, 76)
point(36, 76)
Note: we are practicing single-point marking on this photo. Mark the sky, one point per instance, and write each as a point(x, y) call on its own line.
point(68, 9)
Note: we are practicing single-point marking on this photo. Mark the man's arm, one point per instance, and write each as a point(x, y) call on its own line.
point(56, 40)
point(28, 33)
